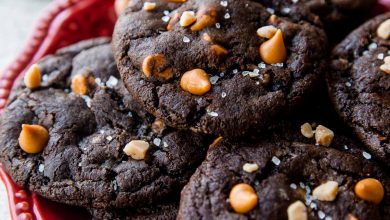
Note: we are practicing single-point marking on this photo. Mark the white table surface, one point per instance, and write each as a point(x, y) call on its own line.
point(17, 18)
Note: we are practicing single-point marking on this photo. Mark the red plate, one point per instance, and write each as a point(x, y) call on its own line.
point(64, 22)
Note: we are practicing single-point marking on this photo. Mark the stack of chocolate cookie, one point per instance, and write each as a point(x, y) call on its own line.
point(217, 109)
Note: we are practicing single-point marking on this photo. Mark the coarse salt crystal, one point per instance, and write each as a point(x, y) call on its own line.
point(112, 82)
point(157, 141)
point(366, 155)
point(275, 160)
point(213, 114)
point(186, 39)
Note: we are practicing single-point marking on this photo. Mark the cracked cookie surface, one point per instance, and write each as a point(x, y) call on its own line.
point(360, 90)
point(83, 163)
point(245, 93)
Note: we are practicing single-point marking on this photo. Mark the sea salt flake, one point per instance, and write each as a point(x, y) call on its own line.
point(235, 71)
point(295, 1)
point(222, 74)
point(286, 10)
point(165, 18)
point(245, 73)
point(253, 74)
point(218, 25)
point(44, 78)
point(224, 3)
point(293, 186)
point(109, 138)
point(213, 114)
point(348, 84)
point(112, 82)
point(381, 56)
point(275, 160)
point(87, 100)
point(328, 218)
point(372, 46)
point(262, 65)
point(41, 167)
point(366, 155)
point(271, 10)
point(223, 94)
point(321, 214)
point(214, 79)
point(278, 64)
point(345, 147)
point(186, 39)
point(157, 141)
point(166, 12)
point(165, 144)
point(227, 16)
point(313, 205)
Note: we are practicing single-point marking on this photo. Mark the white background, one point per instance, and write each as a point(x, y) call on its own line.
point(16, 21)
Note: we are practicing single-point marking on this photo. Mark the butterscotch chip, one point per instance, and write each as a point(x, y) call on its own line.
point(273, 50)
point(196, 82)
point(250, 167)
point(175, 18)
point(351, 217)
point(156, 65)
point(80, 84)
point(383, 30)
point(204, 18)
point(385, 67)
point(297, 211)
point(307, 130)
point(33, 138)
point(158, 126)
point(136, 149)
point(206, 37)
point(370, 189)
point(219, 50)
point(243, 198)
point(32, 78)
point(149, 6)
point(215, 142)
point(267, 31)
point(187, 18)
point(324, 136)
point(327, 191)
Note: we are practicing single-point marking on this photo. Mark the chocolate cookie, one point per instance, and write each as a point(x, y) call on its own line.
point(359, 84)
point(198, 64)
point(79, 138)
point(336, 17)
point(284, 175)
point(166, 211)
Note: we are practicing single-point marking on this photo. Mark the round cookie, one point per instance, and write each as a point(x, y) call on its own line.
point(246, 94)
point(289, 168)
point(359, 88)
point(84, 162)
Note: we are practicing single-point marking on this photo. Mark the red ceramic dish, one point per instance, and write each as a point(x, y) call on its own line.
point(64, 22)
